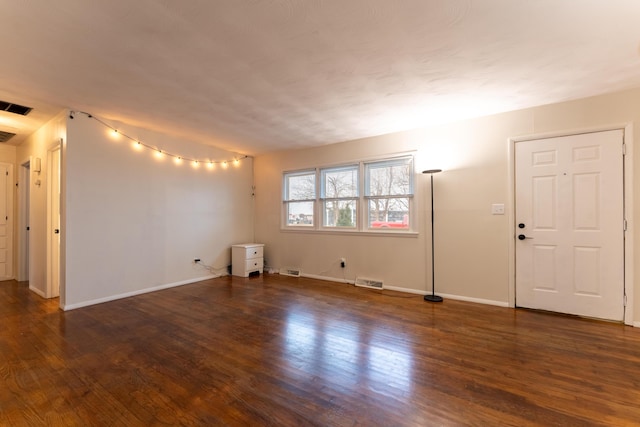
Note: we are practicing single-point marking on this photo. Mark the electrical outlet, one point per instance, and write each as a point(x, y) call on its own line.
point(343, 262)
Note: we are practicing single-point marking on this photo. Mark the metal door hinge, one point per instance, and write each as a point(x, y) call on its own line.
point(624, 225)
point(624, 149)
point(624, 300)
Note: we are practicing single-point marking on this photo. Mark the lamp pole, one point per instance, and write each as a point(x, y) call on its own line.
point(433, 297)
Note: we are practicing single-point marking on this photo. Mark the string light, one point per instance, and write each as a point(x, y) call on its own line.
point(159, 153)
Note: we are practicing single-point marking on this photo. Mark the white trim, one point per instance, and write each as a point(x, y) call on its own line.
point(511, 222)
point(412, 291)
point(138, 292)
point(24, 180)
point(353, 232)
point(581, 131)
point(628, 213)
point(475, 300)
point(50, 226)
point(37, 291)
point(627, 128)
point(636, 324)
point(327, 278)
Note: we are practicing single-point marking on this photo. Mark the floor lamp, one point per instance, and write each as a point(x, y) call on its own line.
point(433, 297)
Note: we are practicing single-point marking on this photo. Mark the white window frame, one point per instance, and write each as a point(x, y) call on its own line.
point(286, 201)
point(362, 199)
point(399, 161)
point(322, 172)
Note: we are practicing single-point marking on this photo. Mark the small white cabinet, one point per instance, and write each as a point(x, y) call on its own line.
point(246, 259)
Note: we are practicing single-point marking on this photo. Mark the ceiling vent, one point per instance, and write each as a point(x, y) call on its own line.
point(5, 136)
point(14, 108)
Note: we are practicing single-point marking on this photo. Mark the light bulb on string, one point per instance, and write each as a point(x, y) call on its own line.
point(115, 134)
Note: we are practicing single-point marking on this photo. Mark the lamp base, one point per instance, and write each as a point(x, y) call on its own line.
point(433, 298)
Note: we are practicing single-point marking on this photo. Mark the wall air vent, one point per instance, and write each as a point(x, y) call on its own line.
point(5, 136)
point(290, 271)
point(14, 108)
point(369, 283)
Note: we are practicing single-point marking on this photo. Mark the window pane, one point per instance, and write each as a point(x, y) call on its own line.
point(340, 182)
point(300, 186)
point(391, 178)
point(389, 212)
point(340, 213)
point(300, 214)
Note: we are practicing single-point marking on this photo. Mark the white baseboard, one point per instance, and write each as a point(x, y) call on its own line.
point(137, 292)
point(37, 291)
point(327, 279)
point(636, 324)
point(476, 300)
point(414, 291)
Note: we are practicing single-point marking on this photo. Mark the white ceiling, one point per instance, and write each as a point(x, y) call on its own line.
point(253, 76)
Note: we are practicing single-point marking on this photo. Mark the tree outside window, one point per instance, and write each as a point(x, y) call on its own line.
point(340, 196)
point(389, 192)
point(299, 198)
point(383, 201)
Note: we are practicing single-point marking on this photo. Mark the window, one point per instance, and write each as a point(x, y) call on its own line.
point(299, 198)
point(339, 193)
point(372, 196)
point(389, 192)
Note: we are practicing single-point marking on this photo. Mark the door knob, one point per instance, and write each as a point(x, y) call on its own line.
point(56, 231)
point(522, 237)
point(521, 225)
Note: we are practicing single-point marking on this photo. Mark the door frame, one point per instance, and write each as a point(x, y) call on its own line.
point(24, 190)
point(57, 146)
point(628, 209)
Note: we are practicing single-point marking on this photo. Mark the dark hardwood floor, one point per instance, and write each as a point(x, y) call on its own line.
point(282, 351)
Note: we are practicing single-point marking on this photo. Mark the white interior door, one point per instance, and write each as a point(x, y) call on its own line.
point(570, 224)
point(53, 262)
point(6, 228)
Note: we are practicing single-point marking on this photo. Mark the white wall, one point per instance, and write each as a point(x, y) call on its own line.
point(37, 146)
point(472, 246)
point(133, 223)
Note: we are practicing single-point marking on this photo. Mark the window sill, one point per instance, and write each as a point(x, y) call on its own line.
point(411, 234)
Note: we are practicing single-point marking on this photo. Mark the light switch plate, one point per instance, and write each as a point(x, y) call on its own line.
point(497, 209)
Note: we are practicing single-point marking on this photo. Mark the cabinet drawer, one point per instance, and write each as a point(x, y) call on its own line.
point(254, 252)
point(254, 264)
